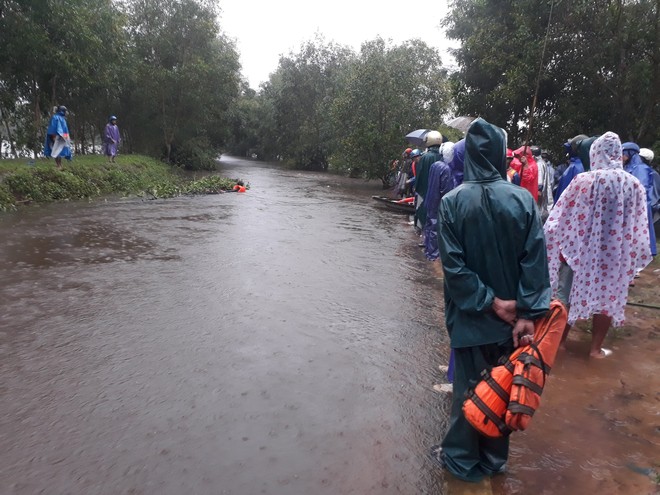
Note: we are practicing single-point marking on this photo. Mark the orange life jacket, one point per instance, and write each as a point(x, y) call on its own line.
point(508, 395)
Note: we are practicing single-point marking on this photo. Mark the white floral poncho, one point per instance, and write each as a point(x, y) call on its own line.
point(600, 226)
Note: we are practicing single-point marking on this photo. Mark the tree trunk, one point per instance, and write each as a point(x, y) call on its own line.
point(37, 118)
point(10, 138)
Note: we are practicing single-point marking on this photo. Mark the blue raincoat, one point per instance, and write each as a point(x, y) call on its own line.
point(57, 127)
point(456, 164)
point(644, 174)
point(575, 167)
point(441, 181)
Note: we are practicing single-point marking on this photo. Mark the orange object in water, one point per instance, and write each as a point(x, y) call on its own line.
point(239, 188)
point(508, 395)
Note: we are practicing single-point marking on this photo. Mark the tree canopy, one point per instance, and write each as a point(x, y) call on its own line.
point(166, 69)
point(327, 106)
point(162, 66)
point(600, 70)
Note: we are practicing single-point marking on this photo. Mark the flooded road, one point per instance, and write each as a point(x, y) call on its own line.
point(282, 341)
point(277, 341)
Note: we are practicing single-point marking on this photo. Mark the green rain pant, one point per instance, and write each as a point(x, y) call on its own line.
point(467, 454)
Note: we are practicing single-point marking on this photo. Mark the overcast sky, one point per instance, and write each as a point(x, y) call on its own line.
point(266, 29)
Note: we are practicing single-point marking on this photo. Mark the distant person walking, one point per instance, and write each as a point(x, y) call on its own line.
point(58, 142)
point(112, 138)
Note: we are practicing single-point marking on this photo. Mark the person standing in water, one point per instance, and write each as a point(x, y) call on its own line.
point(496, 284)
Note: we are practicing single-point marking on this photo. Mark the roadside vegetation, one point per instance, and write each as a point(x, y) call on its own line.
point(172, 76)
point(27, 181)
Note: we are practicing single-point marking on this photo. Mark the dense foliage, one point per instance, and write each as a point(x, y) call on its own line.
point(601, 69)
point(92, 176)
point(162, 66)
point(173, 78)
point(329, 107)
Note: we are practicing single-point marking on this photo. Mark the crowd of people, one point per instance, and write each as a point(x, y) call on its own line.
point(58, 140)
point(512, 231)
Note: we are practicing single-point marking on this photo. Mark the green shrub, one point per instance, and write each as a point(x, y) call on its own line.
point(7, 201)
point(195, 154)
point(91, 176)
point(210, 185)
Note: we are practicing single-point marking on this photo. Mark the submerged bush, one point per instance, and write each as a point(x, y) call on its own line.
point(89, 177)
point(212, 184)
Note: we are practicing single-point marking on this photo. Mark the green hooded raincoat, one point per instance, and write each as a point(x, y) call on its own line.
point(491, 244)
point(423, 168)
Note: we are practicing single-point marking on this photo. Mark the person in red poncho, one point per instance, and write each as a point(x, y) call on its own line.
point(525, 164)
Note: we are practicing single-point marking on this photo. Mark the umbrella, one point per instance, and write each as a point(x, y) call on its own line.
point(417, 137)
point(461, 123)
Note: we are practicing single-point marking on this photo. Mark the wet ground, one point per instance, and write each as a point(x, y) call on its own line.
point(282, 341)
point(598, 428)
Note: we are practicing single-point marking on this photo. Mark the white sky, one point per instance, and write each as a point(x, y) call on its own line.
point(266, 29)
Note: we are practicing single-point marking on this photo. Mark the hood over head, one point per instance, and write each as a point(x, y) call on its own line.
point(524, 150)
point(456, 162)
point(605, 152)
point(447, 151)
point(485, 152)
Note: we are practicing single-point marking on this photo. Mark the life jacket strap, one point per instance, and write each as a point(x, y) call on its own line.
point(497, 388)
point(518, 408)
point(531, 359)
point(490, 414)
point(527, 383)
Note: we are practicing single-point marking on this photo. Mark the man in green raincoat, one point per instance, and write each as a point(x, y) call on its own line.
point(432, 140)
point(496, 284)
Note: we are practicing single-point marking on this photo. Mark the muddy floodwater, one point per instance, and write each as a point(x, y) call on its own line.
point(282, 341)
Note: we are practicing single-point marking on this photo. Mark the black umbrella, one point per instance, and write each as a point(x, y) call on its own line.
point(417, 137)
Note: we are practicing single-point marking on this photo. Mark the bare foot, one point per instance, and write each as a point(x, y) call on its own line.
point(603, 353)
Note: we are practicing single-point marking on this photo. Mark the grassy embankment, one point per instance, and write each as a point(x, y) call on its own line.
point(26, 181)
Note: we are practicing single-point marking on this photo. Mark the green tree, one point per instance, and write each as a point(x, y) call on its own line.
point(184, 79)
point(600, 68)
point(389, 91)
point(301, 93)
point(50, 55)
point(253, 124)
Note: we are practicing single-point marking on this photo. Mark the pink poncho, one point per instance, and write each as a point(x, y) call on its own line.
point(600, 226)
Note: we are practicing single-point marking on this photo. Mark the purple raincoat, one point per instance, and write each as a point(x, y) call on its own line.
point(112, 139)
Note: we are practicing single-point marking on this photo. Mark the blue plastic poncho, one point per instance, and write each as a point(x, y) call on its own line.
point(456, 163)
point(441, 182)
point(644, 174)
point(575, 167)
point(57, 130)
